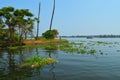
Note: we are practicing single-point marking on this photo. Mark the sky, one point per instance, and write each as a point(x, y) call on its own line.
point(74, 17)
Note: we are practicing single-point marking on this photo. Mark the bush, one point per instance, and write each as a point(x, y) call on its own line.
point(37, 61)
point(50, 34)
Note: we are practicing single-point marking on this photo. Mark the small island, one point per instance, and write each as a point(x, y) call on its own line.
point(17, 30)
point(17, 27)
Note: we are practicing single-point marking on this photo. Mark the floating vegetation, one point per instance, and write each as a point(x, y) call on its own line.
point(16, 47)
point(49, 46)
point(118, 50)
point(37, 61)
point(81, 47)
point(92, 51)
point(102, 42)
point(100, 52)
point(86, 47)
point(46, 46)
point(76, 48)
point(82, 51)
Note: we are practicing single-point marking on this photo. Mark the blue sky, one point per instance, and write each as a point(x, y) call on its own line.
point(75, 17)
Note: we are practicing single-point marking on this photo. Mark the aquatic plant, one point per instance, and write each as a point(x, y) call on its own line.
point(82, 51)
point(37, 61)
point(15, 47)
point(92, 51)
point(67, 47)
point(50, 46)
point(103, 42)
point(118, 50)
point(100, 52)
point(80, 48)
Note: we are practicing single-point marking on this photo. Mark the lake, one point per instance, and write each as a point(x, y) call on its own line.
point(104, 64)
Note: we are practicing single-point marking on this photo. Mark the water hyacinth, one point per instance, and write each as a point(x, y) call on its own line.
point(37, 61)
point(80, 48)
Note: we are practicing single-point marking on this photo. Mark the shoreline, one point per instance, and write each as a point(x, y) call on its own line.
point(41, 41)
point(30, 42)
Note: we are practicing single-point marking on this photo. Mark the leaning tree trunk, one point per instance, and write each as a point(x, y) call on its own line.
point(52, 16)
point(38, 22)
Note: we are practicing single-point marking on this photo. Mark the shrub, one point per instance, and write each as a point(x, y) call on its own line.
point(50, 34)
point(37, 61)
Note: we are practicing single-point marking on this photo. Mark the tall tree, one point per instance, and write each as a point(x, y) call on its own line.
point(24, 21)
point(38, 21)
point(52, 15)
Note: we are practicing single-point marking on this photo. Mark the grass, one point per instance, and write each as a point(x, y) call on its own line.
point(37, 61)
point(46, 46)
point(81, 47)
point(41, 41)
point(49, 46)
point(15, 47)
point(28, 43)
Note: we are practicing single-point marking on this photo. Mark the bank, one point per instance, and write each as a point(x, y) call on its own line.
point(4, 44)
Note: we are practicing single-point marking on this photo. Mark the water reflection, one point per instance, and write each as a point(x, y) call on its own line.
point(75, 66)
point(11, 59)
point(10, 66)
point(51, 49)
point(52, 71)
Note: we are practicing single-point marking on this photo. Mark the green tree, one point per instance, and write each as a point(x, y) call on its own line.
point(18, 21)
point(24, 22)
point(50, 34)
point(7, 17)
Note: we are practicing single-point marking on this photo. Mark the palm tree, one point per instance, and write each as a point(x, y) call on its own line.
point(52, 15)
point(38, 21)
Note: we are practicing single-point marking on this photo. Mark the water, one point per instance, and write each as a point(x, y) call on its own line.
point(71, 66)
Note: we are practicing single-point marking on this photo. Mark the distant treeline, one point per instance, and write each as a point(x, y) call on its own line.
point(92, 36)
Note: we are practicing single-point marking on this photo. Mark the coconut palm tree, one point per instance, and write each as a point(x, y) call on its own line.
point(38, 21)
point(52, 15)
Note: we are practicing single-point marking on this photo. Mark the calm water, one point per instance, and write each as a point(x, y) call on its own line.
point(71, 66)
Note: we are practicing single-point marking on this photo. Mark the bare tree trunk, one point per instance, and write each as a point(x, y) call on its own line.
point(11, 32)
point(38, 21)
point(52, 16)
point(25, 35)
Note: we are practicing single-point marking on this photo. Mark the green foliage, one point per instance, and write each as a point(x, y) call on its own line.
point(50, 34)
point(18, 21)
point(87, 47)
point(49, 46)
point(15, 47)
point(3, 34)
point(16, 37)
point(77, 48)
point(92, 51)
point(37, 61)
